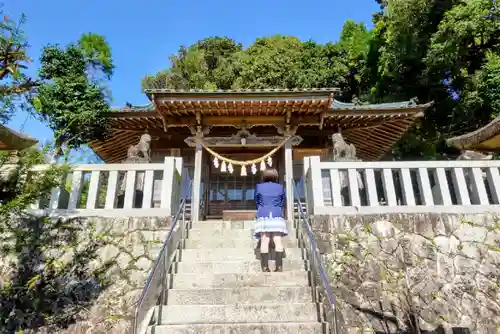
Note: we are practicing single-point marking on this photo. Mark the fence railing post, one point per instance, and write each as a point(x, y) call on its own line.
point(166, 188)
point(176, 184)
point(315, 186)
point(307, 191)
point(76, 189)
point(111, 190)
point(147, 197)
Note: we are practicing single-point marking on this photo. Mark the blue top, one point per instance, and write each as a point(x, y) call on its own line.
point(270, 199)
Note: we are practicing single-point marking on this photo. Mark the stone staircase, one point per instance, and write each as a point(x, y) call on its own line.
point(216, 286)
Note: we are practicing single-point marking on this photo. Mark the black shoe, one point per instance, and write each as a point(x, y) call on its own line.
point(264, 262)
point(279, 262)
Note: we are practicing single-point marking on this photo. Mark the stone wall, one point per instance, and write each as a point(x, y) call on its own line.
point(394, 273)
point(125, 250)
point(131, 245)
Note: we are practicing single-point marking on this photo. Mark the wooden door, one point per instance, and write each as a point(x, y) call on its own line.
point(232, 191)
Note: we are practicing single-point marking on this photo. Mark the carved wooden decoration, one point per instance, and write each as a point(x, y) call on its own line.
point(243, 138)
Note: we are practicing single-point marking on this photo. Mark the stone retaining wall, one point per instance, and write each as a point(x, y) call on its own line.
point(132, 245)
point(125, 250)
point(438, 272)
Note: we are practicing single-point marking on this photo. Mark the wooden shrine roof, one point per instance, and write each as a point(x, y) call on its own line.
point(486, 139)
point(11, 140)
point(372, 128)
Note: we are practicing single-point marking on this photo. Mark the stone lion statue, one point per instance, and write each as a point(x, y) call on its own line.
point(141, 148)
point(139, 153)
point(345, 152)
point(342, 150)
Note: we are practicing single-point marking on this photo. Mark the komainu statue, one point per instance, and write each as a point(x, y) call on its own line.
point(137, 154)
point(140, 153)
point(345, 152)
point(341, 150)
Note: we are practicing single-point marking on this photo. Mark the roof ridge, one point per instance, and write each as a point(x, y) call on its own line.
point(336, 104)
point(259, 90)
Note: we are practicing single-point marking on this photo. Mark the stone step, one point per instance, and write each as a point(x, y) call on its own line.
point(234, 267)
point(248, 243)
point(229, 224)
point(211, 280)
point(206, 233)
point(202, 234)
point(217, 314)
point(248, 295)
point(227, 254)
point(242, 328)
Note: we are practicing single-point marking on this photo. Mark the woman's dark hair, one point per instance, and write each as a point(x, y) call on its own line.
point(270, 175)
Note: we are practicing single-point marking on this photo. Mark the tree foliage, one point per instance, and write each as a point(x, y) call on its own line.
point(442, 51)
point(45, 275)
point(208, 64)
point(14, 83)
point(46, 278)
point(73, 98)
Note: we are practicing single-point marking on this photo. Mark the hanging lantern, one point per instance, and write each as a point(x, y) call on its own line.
point(254, 169)
point(230, 168)
point(262, 166)
point(270, 161)
point(243, 171)
point(216, 162)
point(223, 167)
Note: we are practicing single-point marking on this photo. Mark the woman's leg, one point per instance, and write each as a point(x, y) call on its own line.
point(278, 244)
point(264, 251)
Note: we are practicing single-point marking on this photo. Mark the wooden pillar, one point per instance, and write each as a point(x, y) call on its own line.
point(206, 182)
point(289, 180)
point(195, 198)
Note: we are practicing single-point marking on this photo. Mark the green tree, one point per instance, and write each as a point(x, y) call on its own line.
point(45, 278)
point(424, 50)
point(464, 52)
point(45, 275)
point(270, 62)
point(73, 98)
point(14, 83)
point(207, 64)
point(442, 51)
point(321, 66)
point(355, 45)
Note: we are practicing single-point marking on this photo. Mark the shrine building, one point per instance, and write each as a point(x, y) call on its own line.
point(226, 137)
point(11, 140)
point(484, 139)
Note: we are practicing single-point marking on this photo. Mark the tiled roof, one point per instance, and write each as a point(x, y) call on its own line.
point(242, 91)
point(333, 105)
point(13, 140)
point(475, 138)
point(382, 106)
point(144, 107)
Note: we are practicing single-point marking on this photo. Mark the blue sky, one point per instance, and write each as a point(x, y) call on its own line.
point(143, 34)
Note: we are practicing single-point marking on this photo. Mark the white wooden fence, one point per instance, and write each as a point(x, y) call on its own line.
point(401, 186)
point(116, 190)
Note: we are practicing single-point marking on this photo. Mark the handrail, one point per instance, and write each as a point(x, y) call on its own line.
point(161, 263)
point(317, 265)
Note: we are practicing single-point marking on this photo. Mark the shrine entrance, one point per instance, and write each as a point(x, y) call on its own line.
point(232, 191)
